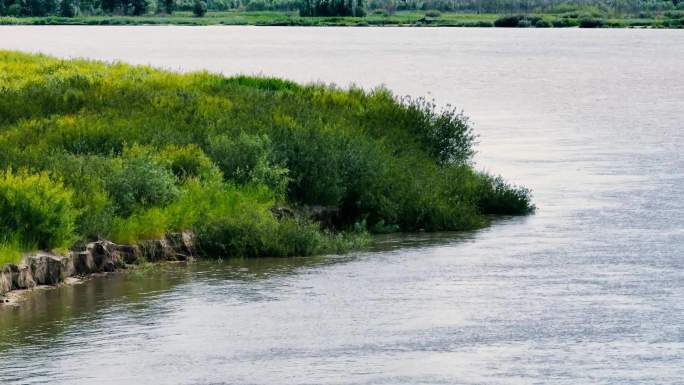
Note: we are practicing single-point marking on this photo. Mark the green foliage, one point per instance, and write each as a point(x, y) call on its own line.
point(68, 8)
point(168, 6)
point(457, 13)
point(248, 159)
point(200, 8)
point(565, 22)
point(188, 162)
point(497, 197)
point(508, 21)
point(11, 249)
point(140, 181)
point(590, 22)
point(542, 24)
point(141, 152)
point(332, 8)
point(35, 210)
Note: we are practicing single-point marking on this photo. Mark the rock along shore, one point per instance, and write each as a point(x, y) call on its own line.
point(46, 268)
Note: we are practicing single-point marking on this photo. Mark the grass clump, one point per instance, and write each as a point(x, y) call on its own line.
point(130, 153)
point(35, 210)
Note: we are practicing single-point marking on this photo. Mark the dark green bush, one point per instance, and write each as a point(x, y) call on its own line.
point(497, 197)
point(590, 22)
point(446, 133)
point(508, 21)
point(524, 23)
point(199, 9)
point(564, 22)
point(541, 23)
point(248, 159)
point(140, 182)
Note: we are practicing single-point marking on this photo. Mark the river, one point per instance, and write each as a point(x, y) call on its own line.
point(589, 290)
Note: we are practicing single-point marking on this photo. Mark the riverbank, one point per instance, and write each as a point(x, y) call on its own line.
point(667, 19)
point(49, 270)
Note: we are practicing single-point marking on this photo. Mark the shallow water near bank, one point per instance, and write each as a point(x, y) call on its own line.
point(590, 290)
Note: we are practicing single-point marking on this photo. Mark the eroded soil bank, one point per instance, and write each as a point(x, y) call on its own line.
point(42, 268)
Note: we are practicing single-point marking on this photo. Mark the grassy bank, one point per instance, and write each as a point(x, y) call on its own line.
point(94, 150)
point(590, 18)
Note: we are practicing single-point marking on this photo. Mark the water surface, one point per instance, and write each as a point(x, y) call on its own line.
point(590, 290)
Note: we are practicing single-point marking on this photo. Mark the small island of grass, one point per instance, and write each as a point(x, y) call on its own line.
point(253, 166)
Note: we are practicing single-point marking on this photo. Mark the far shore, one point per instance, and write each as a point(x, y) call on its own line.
point(373, 19)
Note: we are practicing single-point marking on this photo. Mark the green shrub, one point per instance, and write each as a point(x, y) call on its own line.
point(248, 159)
point(140, 182)
point(497, 197)
point(508, 21)
point(564, 22)
point(541, 23)
point(199, 9)
point(189, 162)
point(590, 22)
point(524, 23)
point(35, 210)
point(447, 134)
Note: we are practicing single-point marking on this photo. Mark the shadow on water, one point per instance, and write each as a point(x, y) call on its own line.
point(47, 314)
point(393, 242)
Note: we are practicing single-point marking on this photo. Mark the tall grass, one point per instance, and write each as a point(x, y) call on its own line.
point(139, 152)
point(11, 250)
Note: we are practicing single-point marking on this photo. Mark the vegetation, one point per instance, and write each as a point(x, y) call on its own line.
point(94, 150)
point(455, 13)
point(199, 9)
point(332, 8)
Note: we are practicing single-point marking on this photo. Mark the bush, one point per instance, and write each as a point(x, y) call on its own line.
point(524, 23)
point(497, 197)
point(542, 24)
point(590, 22)
point(256, 5)
point(35, 210)
point(508, 21)
point(199, 9)
point(140, 182)
point(332, 8)
point(565, 22)
point(68, 8)
point(248, 159)
point(447, 133)
point(189, 162)
point(14, 10)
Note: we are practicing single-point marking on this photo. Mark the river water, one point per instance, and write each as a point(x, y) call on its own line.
point(590, 290)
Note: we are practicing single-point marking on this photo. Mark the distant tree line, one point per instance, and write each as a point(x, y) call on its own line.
point(523, 6)
point(70, 8)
